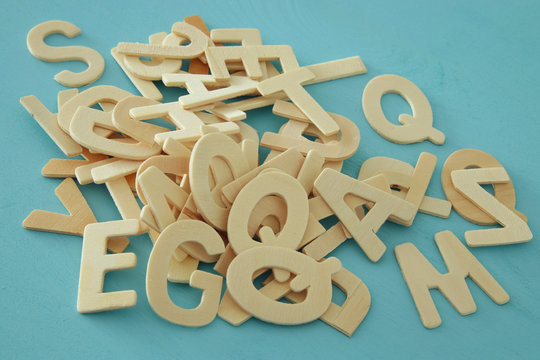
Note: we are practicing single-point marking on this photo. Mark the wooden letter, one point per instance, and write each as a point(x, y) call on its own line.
point(421, 276)
point(198, 42)
point(189, 123)
point(347, 317)
point(158, 264)
point(250, 56)
point(291, 134)
point(334, 186)
point(95, 262)
point(403, 176)
point(138, 130)
point(416, 128)
point(310, 275)
point(160, 191)
point(208, 200)
point(38, 48)
point(265, 184)
point(291, 84)
point(468, 159)
point(199, 95)
point(81, 129)
point(104, 94)
point(514, 231)
point(49, 123)
point(79, 216)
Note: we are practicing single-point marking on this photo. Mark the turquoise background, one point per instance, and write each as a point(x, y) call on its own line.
point(477, 62)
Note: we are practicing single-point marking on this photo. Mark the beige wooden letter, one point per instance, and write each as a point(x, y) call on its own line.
point(160, 191)
point(138, 130)
point(403, 176)
point(146, 87)
point(421, 276)
point(469, 159)
point(48, 122)
point(208, 199)
point(334, 186)
point(103, 94)
point(343, 148)
point(415, 128)
point(155, 68)
point(38, 48)
point(95, 262)
point(290, 162)
point(327, 71)
point(514, 231)
point(79, 216)
point(418, 183)
point(198, 42)
point(347, 317)
point(265, 184)
point(81, 130)
point(250, 56)
point(291, 84)
point(310, 275)
point(245, 37)
point(199, 95)
point(156, 276)
point(189, 123)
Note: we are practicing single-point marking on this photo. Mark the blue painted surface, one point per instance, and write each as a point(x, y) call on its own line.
point(477, 62)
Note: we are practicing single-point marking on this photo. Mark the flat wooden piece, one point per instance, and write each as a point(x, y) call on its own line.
point(421, 276)
point(514, 231)
point(297, 210)
point(472, 158)
point(81, 129)
point(333, 186)
point(336, 69)
point(125, 201)
point(154, 69)
point(250, 56)
point(196, 66)
point(291, 84)
point(48, 122)
point(199, 95)
point(290, 162)
point(179, 271)
point(160, 191)
point(326, 242)
point(310, 275)
point(114, 170)
point(341, 149)
point(138, 130)
point(158, 265)
point(88, 98)
point(62, 168)
point(415, 128)
point(95, 262)
point(326, 71)
point(83, 173)
point(347, 317)
point(198, 42)
point(172, 165)
point(209, 147)
point(188, 123)
point(399, 175)
point(146, 87)
point(79, 216)
point(39, 49)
